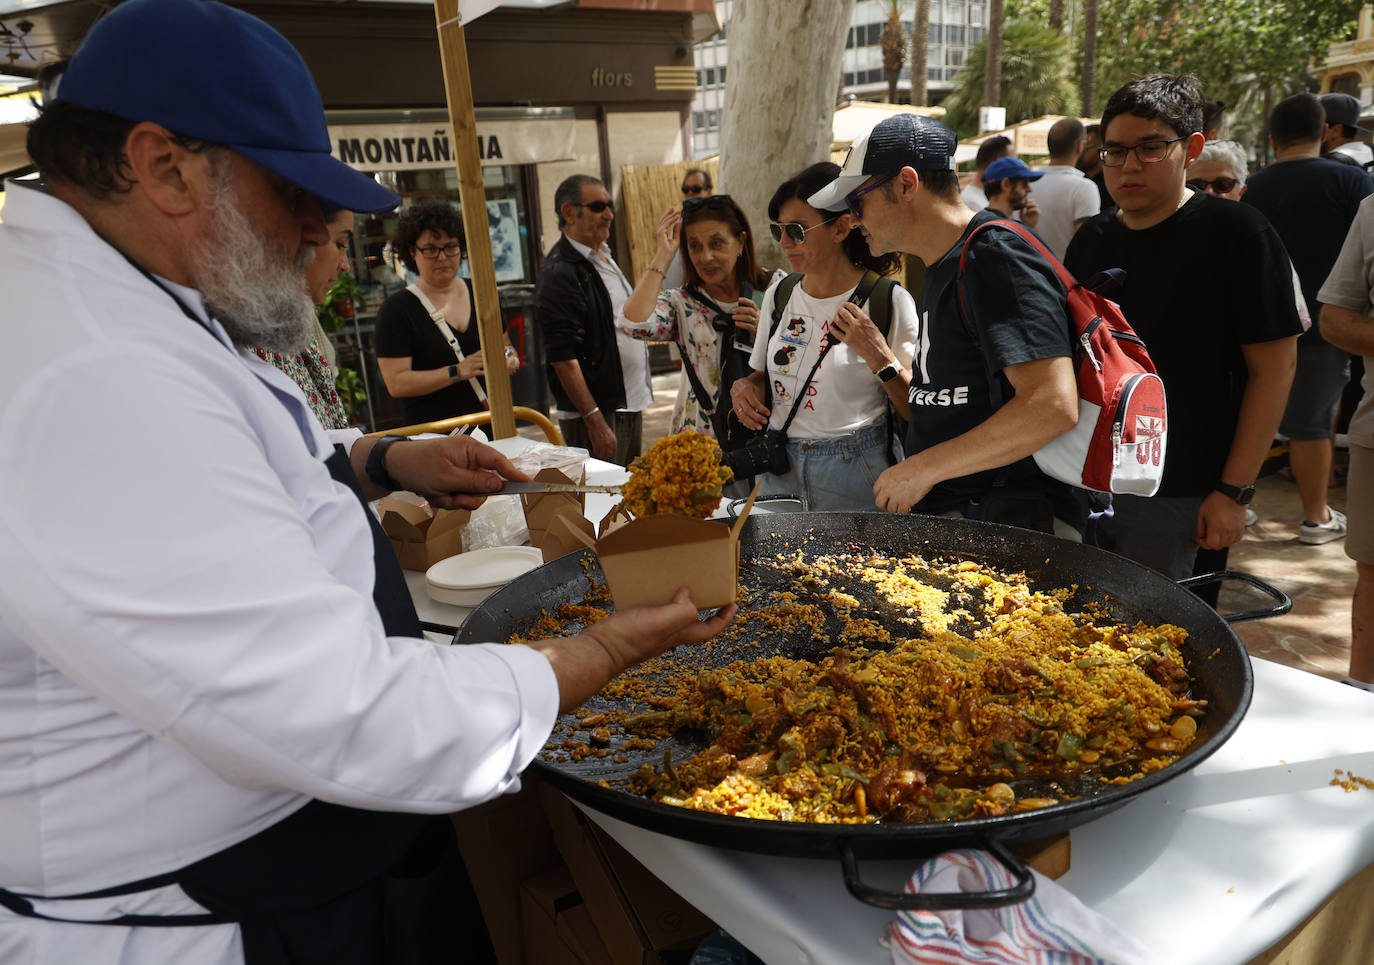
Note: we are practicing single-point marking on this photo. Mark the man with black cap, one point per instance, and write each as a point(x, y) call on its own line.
point(217, 711)
point(1341, 140)
point(992, 381)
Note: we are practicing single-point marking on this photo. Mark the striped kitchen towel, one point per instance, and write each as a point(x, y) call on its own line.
point(1052, 928)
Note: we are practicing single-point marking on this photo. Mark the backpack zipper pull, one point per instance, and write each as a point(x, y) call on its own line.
point(1116, 445)
point(1085, 341)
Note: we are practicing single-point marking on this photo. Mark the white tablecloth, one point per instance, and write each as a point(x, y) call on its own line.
point(1213, 867)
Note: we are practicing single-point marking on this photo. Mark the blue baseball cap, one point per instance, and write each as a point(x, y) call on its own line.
point(1009, 167)
point(207, 71)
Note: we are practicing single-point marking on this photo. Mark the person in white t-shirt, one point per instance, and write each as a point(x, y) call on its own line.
point(838, 440)
point(1066, 197)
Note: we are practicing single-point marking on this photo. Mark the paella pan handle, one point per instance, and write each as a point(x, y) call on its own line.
point(1021, 890)
point(1282, 602)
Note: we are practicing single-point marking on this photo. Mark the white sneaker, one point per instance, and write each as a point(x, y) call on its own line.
point(1310, 532)
point(1251, 517)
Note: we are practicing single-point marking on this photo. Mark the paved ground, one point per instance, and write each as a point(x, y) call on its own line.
point(1315, 636)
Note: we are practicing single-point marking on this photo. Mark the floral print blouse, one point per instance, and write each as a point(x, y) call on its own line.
point(678, 317)
point(312, 373)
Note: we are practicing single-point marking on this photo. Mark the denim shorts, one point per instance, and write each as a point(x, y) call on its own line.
point(835, 474)
point(1318, 382)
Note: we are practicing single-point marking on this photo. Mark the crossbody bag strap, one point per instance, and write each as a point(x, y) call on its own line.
point(704, 403)
point(441, 324)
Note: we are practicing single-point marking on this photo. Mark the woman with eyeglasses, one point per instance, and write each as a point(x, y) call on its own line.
point(713, 311)
point(313, 367)
point(839, 438)
point(428, 348)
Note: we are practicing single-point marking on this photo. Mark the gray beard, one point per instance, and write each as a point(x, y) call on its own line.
point(256, 293)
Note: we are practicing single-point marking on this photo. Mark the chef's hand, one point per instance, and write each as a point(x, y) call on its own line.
point(747, 401)
point(852, 326)
point(455, 472)
point(746, 316)
point(902, 486)
point(587, 662)
point(1220, 522)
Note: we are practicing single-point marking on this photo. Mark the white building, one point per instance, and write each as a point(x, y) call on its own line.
point(955, 26)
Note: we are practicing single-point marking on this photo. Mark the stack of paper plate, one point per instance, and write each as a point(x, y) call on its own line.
point(469, 578)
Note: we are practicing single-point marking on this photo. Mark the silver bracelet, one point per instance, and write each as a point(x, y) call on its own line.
point(591, 412)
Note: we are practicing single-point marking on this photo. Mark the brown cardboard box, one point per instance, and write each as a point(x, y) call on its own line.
point(557, 927)
point(636, 914)
point(419, 536)
point(504, 842)
point(542, 508)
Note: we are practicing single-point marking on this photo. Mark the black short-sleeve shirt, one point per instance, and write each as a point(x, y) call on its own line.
point(1211, 277)
point(404, 329)
point(1019, 310)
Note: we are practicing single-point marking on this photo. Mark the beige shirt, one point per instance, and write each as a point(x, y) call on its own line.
point(1351, 286)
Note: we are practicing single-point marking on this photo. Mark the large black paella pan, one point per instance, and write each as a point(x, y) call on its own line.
point(1216, 660)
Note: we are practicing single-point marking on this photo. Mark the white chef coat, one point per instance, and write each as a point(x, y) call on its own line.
point(189, 651)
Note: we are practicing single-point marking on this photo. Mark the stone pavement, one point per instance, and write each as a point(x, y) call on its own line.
point(1315, 636)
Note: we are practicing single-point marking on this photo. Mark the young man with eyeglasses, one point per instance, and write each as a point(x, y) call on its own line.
point(964, 449)
point(1208, 287)
point(1311, 202)
point(599, 376)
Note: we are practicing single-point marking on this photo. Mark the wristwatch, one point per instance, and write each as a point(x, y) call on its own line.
point(1241, 494)
point(453, 371)
point(888, 372)
point(375, 467)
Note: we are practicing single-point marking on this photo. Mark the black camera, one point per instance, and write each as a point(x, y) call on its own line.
point(765, 453)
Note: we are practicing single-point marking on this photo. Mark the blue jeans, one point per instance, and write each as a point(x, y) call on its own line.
point(835, 474)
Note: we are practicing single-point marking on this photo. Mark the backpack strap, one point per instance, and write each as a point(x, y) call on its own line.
point(780, 296)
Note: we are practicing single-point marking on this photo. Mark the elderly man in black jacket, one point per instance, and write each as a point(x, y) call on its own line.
point(600, 380)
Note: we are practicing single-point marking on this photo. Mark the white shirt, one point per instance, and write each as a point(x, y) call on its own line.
point(1064, 196)
point(634, 354)
point(189, 650)
point(845, 394)
point(1359, 150)
point(974, 196)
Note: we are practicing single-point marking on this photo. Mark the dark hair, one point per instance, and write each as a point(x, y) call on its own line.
point(431, 214)
point(806, 183)
point(990, 150)
point(722, 208)
point(705, 178)
point(1212, 113)
point(1175, 99)
point(941, 183)
point(1064, 136)
point(85, 148)
point(329, 211)
point(1297, 119)
point(993, 188)
point(569, 191)
point(1093, 130)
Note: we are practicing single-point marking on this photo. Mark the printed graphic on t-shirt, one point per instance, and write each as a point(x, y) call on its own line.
point(780, 391)
point(783, 358)
point(792, 358)
point(918, 394)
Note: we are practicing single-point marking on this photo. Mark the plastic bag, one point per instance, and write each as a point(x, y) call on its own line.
point(500, 521)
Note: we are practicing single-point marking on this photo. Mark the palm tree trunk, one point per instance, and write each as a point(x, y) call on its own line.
point(893, 44)
point(1057, 15)
point(920, 53)
point(992, 70)
point(1087, 83)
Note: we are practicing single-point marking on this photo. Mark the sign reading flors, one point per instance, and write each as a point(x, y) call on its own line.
point(412, 147)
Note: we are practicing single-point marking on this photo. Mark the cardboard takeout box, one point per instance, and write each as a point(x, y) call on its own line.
point(420, 536)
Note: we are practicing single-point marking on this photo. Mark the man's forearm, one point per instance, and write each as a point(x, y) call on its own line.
point(1270, 376)
point(1347, 329)
point(569, 373)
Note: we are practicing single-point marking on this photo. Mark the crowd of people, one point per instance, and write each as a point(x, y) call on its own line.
point(147, 666)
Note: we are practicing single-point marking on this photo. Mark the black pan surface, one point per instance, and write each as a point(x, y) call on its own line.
point(1216, 660)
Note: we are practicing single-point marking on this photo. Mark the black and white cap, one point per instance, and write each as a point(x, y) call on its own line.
point(903, 140)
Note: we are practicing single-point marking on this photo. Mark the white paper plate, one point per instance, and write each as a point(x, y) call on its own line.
point(469, 578)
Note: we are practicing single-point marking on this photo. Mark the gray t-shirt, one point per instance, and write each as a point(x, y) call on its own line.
point(1351, 286)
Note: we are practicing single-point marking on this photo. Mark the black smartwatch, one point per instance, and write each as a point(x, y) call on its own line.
point(888, 372)
point(453, 371)
point(1241, 494)
point(375, 467)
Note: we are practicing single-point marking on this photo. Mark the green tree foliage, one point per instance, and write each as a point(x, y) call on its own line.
point(1035, 77)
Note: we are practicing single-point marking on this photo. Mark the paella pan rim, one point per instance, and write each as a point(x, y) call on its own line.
point(1047, 561)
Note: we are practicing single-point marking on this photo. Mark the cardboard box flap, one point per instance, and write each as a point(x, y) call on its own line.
point(404, 520)
point(567, 533)
point(656, 532)
point(645, 562)
point(447, 521)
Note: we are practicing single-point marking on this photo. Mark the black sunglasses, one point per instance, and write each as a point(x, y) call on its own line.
point(693, 188)
point(597, 206)
point(1216, 185)
point(795, 230)
point(708, 201)
point(854, 199)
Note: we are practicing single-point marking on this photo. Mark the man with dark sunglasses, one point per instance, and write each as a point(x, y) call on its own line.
point(969, 444)
point(696, 183)
point(1208, 287)
point(599, 376)
point(1311, 202)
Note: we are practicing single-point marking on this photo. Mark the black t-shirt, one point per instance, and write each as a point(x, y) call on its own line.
point(404, 329)
point(1311, 203)
point(1211, 277)
point(1019, 310)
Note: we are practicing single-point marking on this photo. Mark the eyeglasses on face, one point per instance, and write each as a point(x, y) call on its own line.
point(795, 230)
point(693, 188)
point(1215, 186)
point(450, 250)
point(722, 201)
point(1149, 151)
point(595, 206)
point(854, 199)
